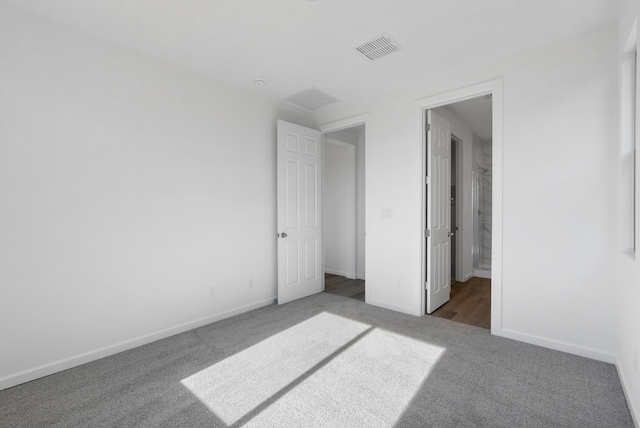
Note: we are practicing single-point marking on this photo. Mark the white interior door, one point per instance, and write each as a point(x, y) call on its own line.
point(299, 157)
point(438, 211)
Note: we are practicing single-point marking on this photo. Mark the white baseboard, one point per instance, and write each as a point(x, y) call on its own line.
point(397, 308)
point(348, 275)
point(570, 348)
point(631, 402)
point(467, 276)
point(345, 274)
point(482, 273)
point(67, 363)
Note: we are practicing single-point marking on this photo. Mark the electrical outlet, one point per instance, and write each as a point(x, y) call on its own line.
point(250, 282)
point(635, 360)
point(212, 292)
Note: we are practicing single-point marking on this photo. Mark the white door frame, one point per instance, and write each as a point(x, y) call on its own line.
point(363, 119)
point(493, 87)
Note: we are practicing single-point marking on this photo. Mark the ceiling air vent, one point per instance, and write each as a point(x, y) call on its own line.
point(378, 47)
point(311, 99)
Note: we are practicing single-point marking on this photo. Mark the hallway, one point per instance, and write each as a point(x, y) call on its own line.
point(345, 287)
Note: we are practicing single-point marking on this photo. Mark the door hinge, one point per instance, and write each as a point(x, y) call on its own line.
point(427, 233)
point(427, 127)
point(426, 285)
point(427, 180)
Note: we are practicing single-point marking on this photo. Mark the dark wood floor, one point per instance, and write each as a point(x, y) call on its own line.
point(470, 303)
point(345, 287)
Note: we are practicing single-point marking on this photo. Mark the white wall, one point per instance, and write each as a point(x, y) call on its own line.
point(628, 267)
point(558, 248)
point(128, 187)
point(339, 208)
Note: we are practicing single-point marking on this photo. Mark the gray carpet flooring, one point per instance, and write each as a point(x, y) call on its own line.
point(326, 361)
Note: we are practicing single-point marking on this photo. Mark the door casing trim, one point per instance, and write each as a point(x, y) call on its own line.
point(495, 88)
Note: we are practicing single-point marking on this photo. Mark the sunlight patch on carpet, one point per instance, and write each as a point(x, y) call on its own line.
point(326, 368)
point(237, 385)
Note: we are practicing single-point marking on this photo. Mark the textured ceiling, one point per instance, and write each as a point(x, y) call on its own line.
point(297, 44)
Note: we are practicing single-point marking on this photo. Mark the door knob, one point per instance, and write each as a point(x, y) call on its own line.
point(283, 235)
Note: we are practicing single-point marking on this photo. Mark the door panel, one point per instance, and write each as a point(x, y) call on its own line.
point(292, 193)
point(438, 212)
point(311, 259)
point(299, 156)
point(311, 195)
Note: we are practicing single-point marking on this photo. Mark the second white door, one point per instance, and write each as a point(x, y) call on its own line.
point(438, 285)
point(299, 166)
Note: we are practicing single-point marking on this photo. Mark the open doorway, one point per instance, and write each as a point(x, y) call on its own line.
point(455, 212)
point(468, 127)
point(344, 212)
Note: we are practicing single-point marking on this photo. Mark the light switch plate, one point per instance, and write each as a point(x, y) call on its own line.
point(386, 213)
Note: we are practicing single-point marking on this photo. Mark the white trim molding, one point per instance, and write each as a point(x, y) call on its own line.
point(631, 402)
point(570, 348)
point(87, 357)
